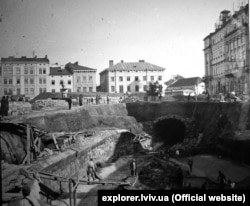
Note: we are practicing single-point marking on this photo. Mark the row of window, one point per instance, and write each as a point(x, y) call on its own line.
point(53, 82)
point(121, 88)
point(84, 79)
point(26, 81)
point(27, 91)
point(26, 70)
point(136, 78)
point(84, 89)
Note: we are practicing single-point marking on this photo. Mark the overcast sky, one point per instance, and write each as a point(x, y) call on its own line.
point(167, 33)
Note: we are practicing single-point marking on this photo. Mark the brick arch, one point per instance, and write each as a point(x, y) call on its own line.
point(186, 121)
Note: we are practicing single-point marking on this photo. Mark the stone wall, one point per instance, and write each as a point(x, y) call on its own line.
point(102, 147)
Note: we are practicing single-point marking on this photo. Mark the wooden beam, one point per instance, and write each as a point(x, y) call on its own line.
point(28, 144)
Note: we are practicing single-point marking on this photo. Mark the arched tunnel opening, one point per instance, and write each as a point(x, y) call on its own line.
point(169, 131)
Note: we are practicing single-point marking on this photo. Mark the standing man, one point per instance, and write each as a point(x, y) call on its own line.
point(3, 106)
point(190, 164)
point(107, 99)
point(133, 168)
point(70, 102)
point(7, 103)
point(80, 100)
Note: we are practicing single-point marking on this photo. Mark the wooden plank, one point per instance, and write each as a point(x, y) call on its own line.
point(55, 142)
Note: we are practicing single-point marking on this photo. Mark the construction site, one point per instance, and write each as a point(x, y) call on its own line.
point(50, 146)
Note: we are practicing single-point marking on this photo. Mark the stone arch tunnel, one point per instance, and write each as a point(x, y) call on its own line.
point(169, 130)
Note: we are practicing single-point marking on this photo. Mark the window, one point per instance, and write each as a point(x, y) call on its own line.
point(84, 89)
point(78, 89)
point(26, 81)
point(91, 89)
point(152, 78)
point(136, 78)
point(78, 79)
point(5, 91)
point(26, 70)
point(44, 70)
point(145, 88)
point(120, 79)
point(18, 91)
point(128, 79)
point(18, 70)
point(10, 70)
point(84, 79)
point(61, 82)
point(121, 89)
point(5, 81)
point(10, 91)
point(5, 71)
point(112, 79)
point(40, 81)
point(31, 81)
point(69, 82)
point(32, 91)
point(31, 71)
point(137, 88)
point(90, 78)
point(44, 80)
point(44, 89)
point(159, 78)
point(18, 81)
point(112, 88)
point(40, 71)
point(53, 90)
point(26, 91)
point(128, 89)
point(144, 78)
point(52, 82)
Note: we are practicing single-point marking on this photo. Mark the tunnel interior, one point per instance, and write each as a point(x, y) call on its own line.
point(170, 131)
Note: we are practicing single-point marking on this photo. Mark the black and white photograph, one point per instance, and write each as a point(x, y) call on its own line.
point(124, 102)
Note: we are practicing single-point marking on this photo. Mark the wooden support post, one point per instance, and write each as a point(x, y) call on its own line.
point(74, 194)
point(70, 193)
point(28, 144)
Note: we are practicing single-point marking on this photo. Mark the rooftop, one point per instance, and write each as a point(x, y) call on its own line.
point(185, 82)
point(131, 66)
point(72, 67)
point(57, 71)
point(24, 59)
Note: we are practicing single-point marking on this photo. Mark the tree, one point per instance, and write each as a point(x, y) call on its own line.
point(155, 89)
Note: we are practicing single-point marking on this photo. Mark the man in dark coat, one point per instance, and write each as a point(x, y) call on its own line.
point(3, 106)
point(70, 102)
point(133, 168)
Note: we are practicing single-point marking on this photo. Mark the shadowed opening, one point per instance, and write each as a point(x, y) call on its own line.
point(170, 131)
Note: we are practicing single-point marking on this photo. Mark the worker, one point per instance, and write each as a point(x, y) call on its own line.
point(133, 168)
point(190, 164)
point(91, 170)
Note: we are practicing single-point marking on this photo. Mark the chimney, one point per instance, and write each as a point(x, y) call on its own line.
point(76, 63)
point(46, 56)
point(111, 63)
point(122, 61)
point(141, 61)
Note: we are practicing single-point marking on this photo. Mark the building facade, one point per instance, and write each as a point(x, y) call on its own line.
point(226, 54)
point(84, 78)
point(60, 79)
point(24, 76)
point(130, 77)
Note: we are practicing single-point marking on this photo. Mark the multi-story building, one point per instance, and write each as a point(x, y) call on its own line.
point(60, 79)
point(24, 76)
point(226, 53)
point(130, 76)
point(84, 78)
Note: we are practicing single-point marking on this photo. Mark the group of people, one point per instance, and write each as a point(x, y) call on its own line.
point(4, 106)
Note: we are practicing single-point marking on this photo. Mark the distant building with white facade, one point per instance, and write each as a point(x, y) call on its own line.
point(84, 78)
point(24, 76)
point(130, 77)
point(186, 86)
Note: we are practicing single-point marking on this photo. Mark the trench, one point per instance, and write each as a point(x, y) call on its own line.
point(112, 148)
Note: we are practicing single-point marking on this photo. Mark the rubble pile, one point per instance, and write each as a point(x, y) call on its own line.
point(158, 174)
point(187, 147)
point(48, 103)
point(19, 108)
